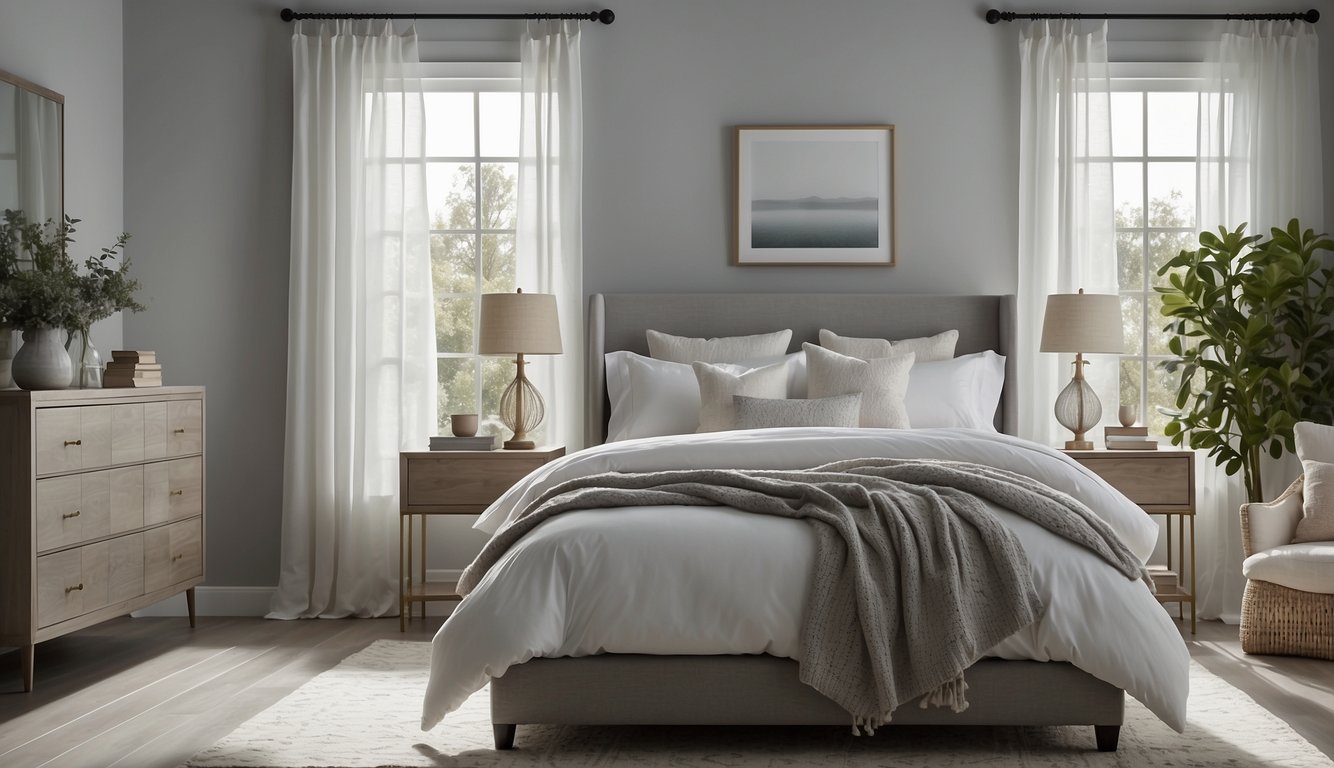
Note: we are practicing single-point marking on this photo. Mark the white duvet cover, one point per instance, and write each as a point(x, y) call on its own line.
point(713, 580)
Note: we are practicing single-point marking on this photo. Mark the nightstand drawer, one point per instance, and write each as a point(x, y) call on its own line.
point(468, 481)
point(1148, 480)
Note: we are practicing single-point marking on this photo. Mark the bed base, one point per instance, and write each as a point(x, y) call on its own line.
point(628, 689)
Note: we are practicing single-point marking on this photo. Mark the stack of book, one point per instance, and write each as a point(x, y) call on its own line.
point(450, 443)
point(1129, 439)
point(132, 368)
point(1165, 581)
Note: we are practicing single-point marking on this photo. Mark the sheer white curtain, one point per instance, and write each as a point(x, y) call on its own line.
point(550, 218)
point(360, 378)
point(1066, 225)
point(1260, 164)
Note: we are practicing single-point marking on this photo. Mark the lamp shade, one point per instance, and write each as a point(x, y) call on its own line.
point(519, 323)
point(1082, 322)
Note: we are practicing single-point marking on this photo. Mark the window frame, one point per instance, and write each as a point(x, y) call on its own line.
point(1145, 78)
point(476, 78)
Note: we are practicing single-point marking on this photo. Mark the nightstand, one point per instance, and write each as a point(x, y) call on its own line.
point(1161, 482)
point(449, 483)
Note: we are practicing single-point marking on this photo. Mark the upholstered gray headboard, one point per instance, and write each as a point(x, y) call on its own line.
point(617, 321)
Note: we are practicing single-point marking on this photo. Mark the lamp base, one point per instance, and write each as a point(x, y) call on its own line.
point(518, 445)
point(1070, 445)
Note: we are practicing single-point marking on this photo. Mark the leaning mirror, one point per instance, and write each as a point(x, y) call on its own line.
point(32, 121)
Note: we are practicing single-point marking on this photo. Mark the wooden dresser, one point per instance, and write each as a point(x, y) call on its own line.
point(101, 507)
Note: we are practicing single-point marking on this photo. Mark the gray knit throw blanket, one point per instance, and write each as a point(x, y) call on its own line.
point(914, 577)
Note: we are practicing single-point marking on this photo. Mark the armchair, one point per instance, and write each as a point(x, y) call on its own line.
point(1288, 608)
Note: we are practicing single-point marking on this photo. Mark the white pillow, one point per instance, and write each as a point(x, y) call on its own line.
point(654, 397)
point(1315, 449)
point(882, 382)
point(719, 383)
point(724, 349)
point(1317, 523)
point(763, 413)
point(960, 392)
point(927, 348)
point(1314, 441)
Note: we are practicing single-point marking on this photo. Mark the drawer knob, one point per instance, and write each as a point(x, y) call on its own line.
point(78, 587)
point(177, 557)
point(68, 443)
point(68, 515)
point(179, 431)
point(177, 492)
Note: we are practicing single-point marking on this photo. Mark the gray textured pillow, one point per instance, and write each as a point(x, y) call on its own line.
point(928, 349)
point(1317, 523)
point(761, 413)
point(882, 381)
point(724, 349)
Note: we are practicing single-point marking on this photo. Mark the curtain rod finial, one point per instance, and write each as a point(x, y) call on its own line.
point(993, 16)
point(287, 14)
point(606, 16)
point(1312, 16)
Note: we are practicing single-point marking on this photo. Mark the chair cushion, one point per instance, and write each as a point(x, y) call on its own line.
point(1308, 567)
point(1314, 441)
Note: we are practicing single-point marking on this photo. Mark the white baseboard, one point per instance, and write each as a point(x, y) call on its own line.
point(254, 601)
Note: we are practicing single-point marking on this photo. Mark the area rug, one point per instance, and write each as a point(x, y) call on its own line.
point(365, 712)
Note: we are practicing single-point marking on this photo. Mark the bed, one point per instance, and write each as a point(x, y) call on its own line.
point(563, 682)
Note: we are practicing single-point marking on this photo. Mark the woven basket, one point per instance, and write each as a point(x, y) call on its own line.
point(1282, 621)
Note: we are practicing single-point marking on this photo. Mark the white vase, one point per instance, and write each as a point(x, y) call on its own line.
point(9, 344)
point(42, 362)
point(85, 362)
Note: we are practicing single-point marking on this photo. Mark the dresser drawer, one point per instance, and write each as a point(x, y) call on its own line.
point(1150, 480)
point(69, 439)
point(73, 509)
point(71, 583)
point(173, 553)
point(127, 433)
point(185, 427)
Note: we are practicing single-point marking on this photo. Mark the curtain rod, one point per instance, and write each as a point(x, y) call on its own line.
point(1311, 16)
point(605, 15)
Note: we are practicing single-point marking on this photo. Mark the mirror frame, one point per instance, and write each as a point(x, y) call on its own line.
point(46, 93)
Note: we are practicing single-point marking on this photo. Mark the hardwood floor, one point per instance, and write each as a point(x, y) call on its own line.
point(151, 692)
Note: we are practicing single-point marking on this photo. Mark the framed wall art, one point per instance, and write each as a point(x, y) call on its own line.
point(814, 195)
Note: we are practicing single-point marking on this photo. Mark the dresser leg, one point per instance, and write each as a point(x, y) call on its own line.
point(28, 652)
point(190, 605)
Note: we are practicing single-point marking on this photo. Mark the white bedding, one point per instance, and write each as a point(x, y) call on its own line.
point(712, 580)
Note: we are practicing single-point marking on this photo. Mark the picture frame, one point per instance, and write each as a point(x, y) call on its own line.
point(814, 195)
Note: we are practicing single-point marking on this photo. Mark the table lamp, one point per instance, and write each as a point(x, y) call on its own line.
point(519, 324)
point(1081, 323)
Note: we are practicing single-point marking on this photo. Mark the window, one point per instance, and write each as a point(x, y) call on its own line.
point(472, 147)
point(1154, 148)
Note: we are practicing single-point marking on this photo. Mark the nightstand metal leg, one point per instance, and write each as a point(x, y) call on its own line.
point(402, 606)
point(423, 571)
point(1194, 594)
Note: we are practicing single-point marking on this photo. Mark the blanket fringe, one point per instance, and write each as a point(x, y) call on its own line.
point(950, 694)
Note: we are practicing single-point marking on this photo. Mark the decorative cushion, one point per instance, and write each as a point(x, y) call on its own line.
point(927, 348)
point(717, 385)
point(762, 413)
point(1308, 567)
point(960, 392)
point(1317, 523)
point(724, 349)
point(882, 382)
point(1314, 441)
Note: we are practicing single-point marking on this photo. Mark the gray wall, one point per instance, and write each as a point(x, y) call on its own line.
point(207, 157)
point(73, 47)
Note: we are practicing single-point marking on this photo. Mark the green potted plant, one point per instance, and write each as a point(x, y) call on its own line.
point(43, 294)
point(1254, 337)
